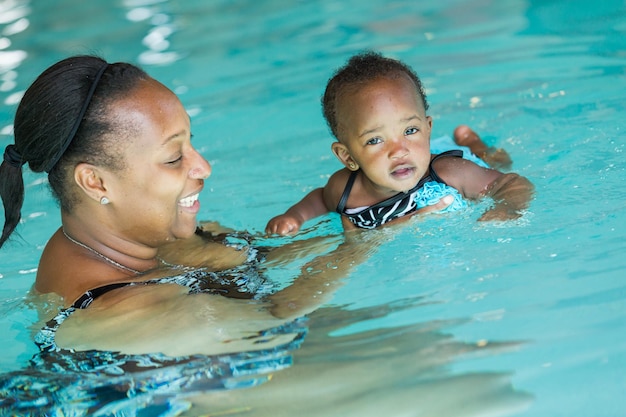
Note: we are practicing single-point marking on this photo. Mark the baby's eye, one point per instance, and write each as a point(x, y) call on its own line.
point(411, 131)
point(374, 141)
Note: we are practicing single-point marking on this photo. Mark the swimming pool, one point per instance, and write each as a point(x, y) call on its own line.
point(447, 317)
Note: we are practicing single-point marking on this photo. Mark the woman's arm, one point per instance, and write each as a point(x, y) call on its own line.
point(165, 318)
point(320, 278)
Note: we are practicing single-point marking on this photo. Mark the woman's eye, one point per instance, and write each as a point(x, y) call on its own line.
point(411, 131)
point(374, 141)
point(175, 161)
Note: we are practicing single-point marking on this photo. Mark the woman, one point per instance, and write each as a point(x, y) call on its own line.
point(116, 145)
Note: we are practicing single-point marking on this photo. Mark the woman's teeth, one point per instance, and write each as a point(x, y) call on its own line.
point(188, 201)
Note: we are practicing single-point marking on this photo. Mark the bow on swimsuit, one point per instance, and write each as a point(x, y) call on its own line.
point(428, 191)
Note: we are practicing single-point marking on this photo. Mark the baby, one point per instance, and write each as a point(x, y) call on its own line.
point(376, 108)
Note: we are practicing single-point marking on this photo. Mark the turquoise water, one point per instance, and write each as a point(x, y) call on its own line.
point(447, 317)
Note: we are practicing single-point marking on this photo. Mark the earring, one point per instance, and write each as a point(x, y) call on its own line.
point(352, 165)
point(104, 201)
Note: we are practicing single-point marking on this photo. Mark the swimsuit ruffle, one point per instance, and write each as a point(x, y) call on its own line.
point(433, 191)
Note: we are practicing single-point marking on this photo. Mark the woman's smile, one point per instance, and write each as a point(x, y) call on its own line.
point(190, 203)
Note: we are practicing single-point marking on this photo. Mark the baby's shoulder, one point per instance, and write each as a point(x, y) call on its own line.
point(457, 171)
point(335, 186)
point(442, 162)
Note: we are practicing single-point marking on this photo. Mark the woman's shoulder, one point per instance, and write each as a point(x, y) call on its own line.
point(62, 270)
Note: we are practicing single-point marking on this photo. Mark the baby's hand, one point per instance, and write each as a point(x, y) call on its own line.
point(283, 225)
point(438, 206)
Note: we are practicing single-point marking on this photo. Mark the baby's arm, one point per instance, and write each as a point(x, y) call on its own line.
point(311, 206)
point(510, 192)
point(318, 202)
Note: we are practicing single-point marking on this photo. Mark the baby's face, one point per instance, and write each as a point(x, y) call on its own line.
point(385, 128)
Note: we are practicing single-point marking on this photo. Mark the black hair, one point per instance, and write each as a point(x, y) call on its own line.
point(360, 69)
point(46, 117)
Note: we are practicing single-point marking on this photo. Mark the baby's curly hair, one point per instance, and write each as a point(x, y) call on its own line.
point(360, 69)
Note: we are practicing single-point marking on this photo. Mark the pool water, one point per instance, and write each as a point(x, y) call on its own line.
point(446, 317)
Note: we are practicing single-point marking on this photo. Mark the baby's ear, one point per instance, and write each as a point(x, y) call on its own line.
point(343, 154)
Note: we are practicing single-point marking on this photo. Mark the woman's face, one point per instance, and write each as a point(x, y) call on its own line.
point(155, 198)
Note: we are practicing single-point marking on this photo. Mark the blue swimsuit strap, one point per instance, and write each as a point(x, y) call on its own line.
point(432, 176)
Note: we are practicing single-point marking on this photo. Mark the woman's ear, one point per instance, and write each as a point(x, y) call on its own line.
point(89, 180)
point(343, 154)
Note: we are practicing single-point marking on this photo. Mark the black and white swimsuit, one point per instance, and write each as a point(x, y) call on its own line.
point(397, 206)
